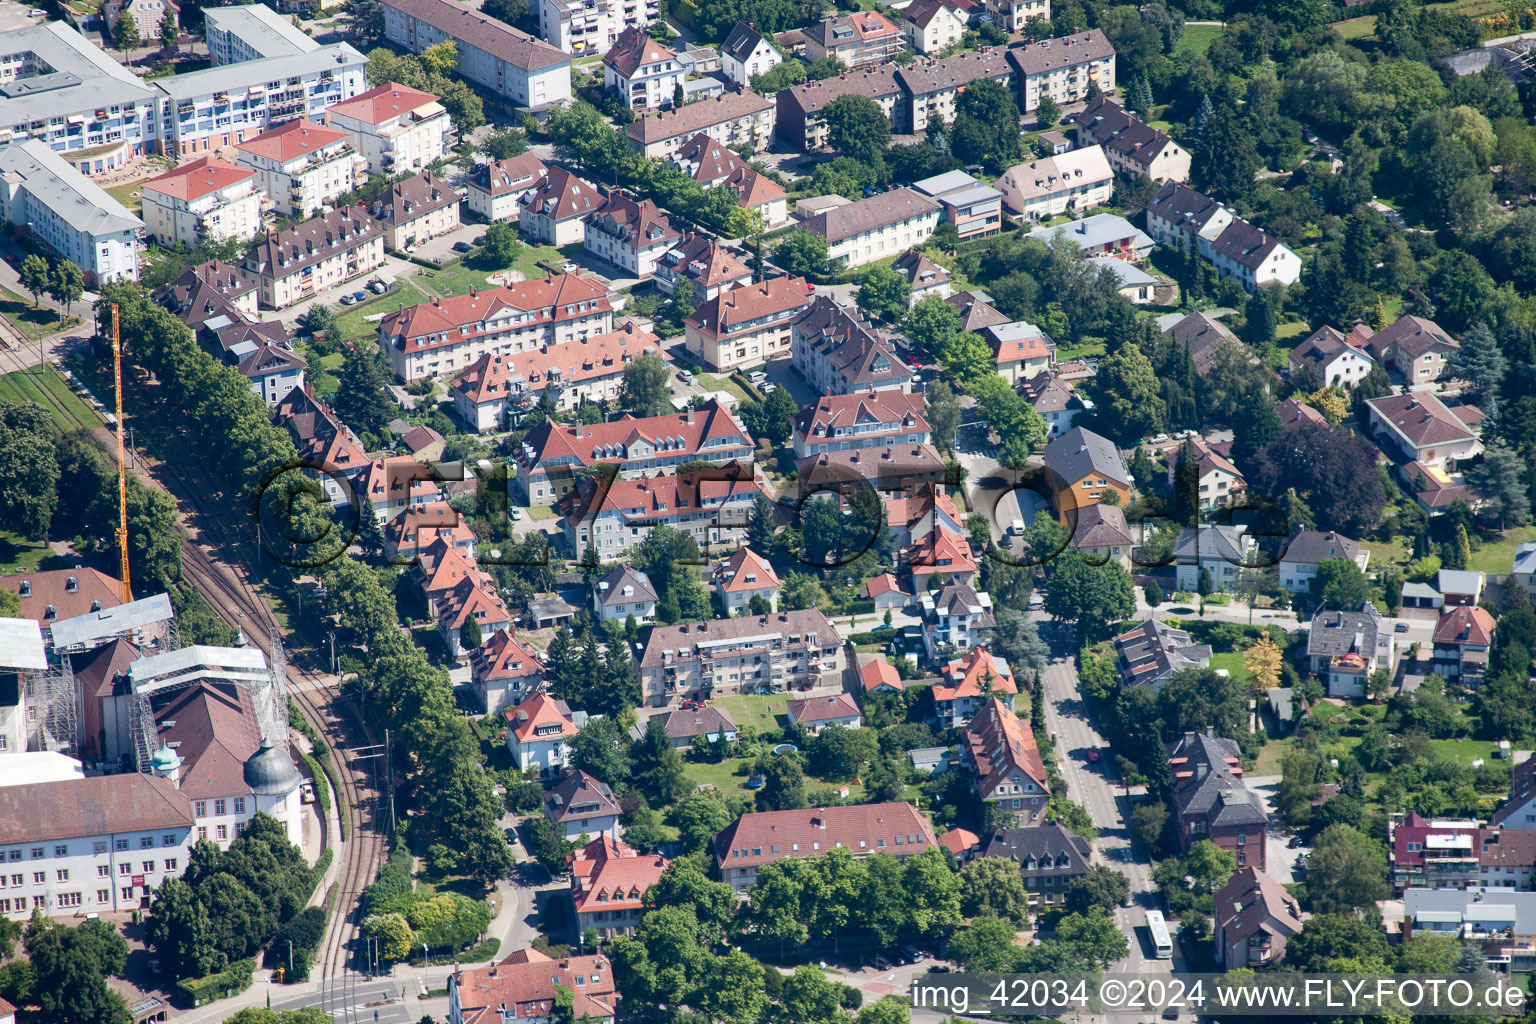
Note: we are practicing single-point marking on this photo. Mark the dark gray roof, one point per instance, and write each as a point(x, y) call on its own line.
point(879, 211)
point(1214, 792)
point(1244, 244)
point(1313, 546)
point(1079, 452)
point(849, 345)
point(741, 42)
point(1105, 122)
point(270, 771)
point(685, 725)
point(923, 77)
point(1152, 651)
point(1334, 632)
point(1100, 526)
point(612, 584)
point(579, 795)
point(1210, 542)
point(1182, 206)
point(1063, 52)
point(976, 313)
point(1040, 850)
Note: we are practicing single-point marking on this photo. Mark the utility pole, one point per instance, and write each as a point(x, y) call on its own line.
point(332, 635)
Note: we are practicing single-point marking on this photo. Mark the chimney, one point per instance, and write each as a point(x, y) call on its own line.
point(578, 431)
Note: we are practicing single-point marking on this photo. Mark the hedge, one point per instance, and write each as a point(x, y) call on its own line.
point(322, 865)
point(873, 637)
point(234, 979)
point(322, 786)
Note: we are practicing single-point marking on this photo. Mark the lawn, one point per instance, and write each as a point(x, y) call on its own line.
point(1498, 556)
point(31, 322)
point(472, 271)
point(1198, 38)
point(29, 386)
point(1384, 553)
point(1356, 28)
point(730, 777)
point(352, 323)
point(128, 194)
point(322, 371)
point(1464, 751)
point(18, 554)
point(723, 382)
point(1232, 661)
point(1294, 329)
point(759, 711)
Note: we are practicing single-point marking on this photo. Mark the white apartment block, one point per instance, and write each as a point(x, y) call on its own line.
point(585, 27)
point(1063, 68)
point(733, 119)
point(1016, 14)
point(641, 72)
point(61, 89)
point(251, 32)
point(714, 512)
point(749, 654)
point(68, 215)
point(874, 228)
point(395, 128)
point(302, 166)
point(492, 54)
point(204, 199)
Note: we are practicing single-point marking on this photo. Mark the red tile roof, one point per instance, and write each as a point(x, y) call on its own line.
point(198, 178)
point(714, 165)
point(650, 498)
point(1002, 747)
point(745, 570)
point(484, 380)
point(898, 412)
point(967, 674)
point(545, 299)
point(634, 48)
point(415, 529)
point(504, 656)
point(1465, 624)
point(292, 140)
point(764, 837)
point(39, 590)
point(540, 717)
point(384, 103)
point(878, 672)
point(388, 479)
point(607, 875)
point(940, 551)
point(959, 840)
point(499, 177)
point(528, 990)
point(688, 432)
point(813, 710)
point(779, 298)
point(560, 195)
point(1421, 418)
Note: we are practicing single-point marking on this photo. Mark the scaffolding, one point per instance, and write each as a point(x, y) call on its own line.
point(59, 719)
point(175, 670)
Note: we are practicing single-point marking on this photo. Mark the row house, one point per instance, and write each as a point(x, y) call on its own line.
point(1459, 855)
point(512, 65)
point(67, 214)
point(888, 471)
point(712, 165)
point(746, 325)
point(1131, 146)
point(877, 419)
point(1147, 654)
point(1338, 360)
point(1057, 185)
point(1345, 648)
point(744, 655)
point(315, 256)
point(968, 683)
point(954, 619)
point(1184, 218)
point(767, 837)
point(437, 338)
point(1211, 800)
point(1065, 69)
point(641, 72)
point(420, 207)
point(972, 208)
point(608, 885)
point(615, 518)
point(624, 593)
point(206, 199)
point(1417, 348)
point(1049, 857)
point(631, 234)
point(856, 40)
point(1497, 924)
point(747, 53)
point(743, 576)
point(1000, 751)
point(395, 128)
point(708, 267)
point(876, 227)
point(1055, 400)
point(495, 190)
point(551, 458)
point(837, 352)
point(555, 210)
point(302, 166)
point(733, 119)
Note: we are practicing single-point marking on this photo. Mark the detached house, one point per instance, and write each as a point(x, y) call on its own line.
point(395, 128)
point(1081, 466)
point(504, 671)
point(1000, 749)
point(1103, 535)
point(642, 72)
point(555, 210)
point(1345, 648)
point(953, 619)
point(1303, 552)
point(1022, 350)
point(712, 165)
point(1050, 858)
point(708, 268)
point(416, 209)
point(942, 553)
point(633, 235)
point(1132, 146)
point(1415, 347)
point(746, 325)
point(1211, 800)
point(1221, 550)
point(582, 806)
point(1055, 185)
point(539, 731)
point(864, 37)
point(1419, 428)
point(1254, 916)
point(1221, 483)
point(1463, 639)
point(623, 592)
point(1339, 360)
point(743, 576)
point(608, 884)
point(924, 277)
point(495, 188)
point(814, 714)
point(932, 25)
point(747, 53)
point(1151, 652)
point(1055, 400)
point(967, 683)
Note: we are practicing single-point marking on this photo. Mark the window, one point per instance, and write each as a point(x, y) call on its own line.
point(147, 866)
point(61, 875)
point(146, 842)
point(103, 871)
point(37, 851)
point(127, 894)
point(99, 846)
point(223, 832)
point(200, 809)
point(239, 805)
point(125, 868)
point(169, 839)
point(61, 850)
point(103, 895)
point(15, 855)
point(69, 899)
point(202, 833)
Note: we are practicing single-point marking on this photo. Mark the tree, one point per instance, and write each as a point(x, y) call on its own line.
point(362, 397)
point(1093, 938)
point(1339, 584)
point(857, 127)
point(1262, 662)
point(1147, 823)
point(169, 31)
point(504, 143)
point(783, 784)
point(29, 469)
point(1479, 361)
point(986, 126)
point(684, 299)
point(993, 887)
point(179, 930)
point(70, 968)
point(509, 11)
point(1102, 886)
point(1048, 112)
point(548, 845)
point(644, 390)
point(501, 244)
point(66, 282)
point(943, 413)
point(799, 252)
point(1227, 156)
point(1346, 871)
point(986, 944)
point(1329, 937)
point(1090, 597)
point(1333, 473)
point(931, 324)
point(367, 18)
point(1129, 394)
point(1500, 480)
point(883, 294)
point(1017, 639)
point(126, 34)
point(34, 276)
point(1195, 699)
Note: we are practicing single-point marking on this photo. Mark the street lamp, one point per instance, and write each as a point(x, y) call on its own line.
point(332, 635)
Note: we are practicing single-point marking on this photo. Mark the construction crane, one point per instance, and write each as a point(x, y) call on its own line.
point(122, 458)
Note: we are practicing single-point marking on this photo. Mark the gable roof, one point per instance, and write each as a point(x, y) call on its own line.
point(633, 48)
point(692, 118)
point(688, 432)
point(1312, 546)
point(878, 672)
point(685, 724)
point(713, 165)
point(69, 592)
point(529, 989)
point(742, 41)
point(415, 197)
point(267, 359)
point(1111, 126)
point(919, 270)
point(1335, 632)
point(539, 718)
point(484, 32)
point(384, 103)
point(1200, 334)
point(1048, 55)
point(940, 550)
point(292, 140)
point(705, 263)
point(810, 710)
point(92, 806)
point(1101, 526)
point(878, 211)
point(745, 569)
point(969, 675)
point(1250, 899)
point(643, 500)
point(832, 416)
point(1465, 625)
point(1208, 781)
point(1047, 176)
point(579, 795)
point(214, 730)
point(198, 178)
point(1002, 748)
point(1080, 452)
point(611, 586)
point(763, 837)
point(1410, 336)
point(848, 345)
point(561, 195)
point(317, 433)
point(745, 304)
point(639, 224)
point(1421, 419)
point(300, 246)
point(1040, 849)
point(546, 298)
point(975, 312)
point(1151, 651)
point(499, 177)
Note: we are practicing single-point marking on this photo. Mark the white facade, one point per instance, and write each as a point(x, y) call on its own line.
point(944, 29)
point(539, 756)
point(584, 27)
point(66, 214)
point(761, 59)
point(1016, 14)
point(299, 183)
point(396, 129)
point(1052, 186)
point(493, 55)
point(177, 210)
point(652, 84)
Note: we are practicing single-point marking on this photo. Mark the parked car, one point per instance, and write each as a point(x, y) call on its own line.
point(569, 268)
point(378, 287)
point(1401, 627)
point(1093, 757)
point(1036, 602)
point(463, 247)
point(479, 240)
point(359, 295)
point(1160, 439)
point(685, 376)
point(515, 512)
point(1296, 843)
point(347, 300)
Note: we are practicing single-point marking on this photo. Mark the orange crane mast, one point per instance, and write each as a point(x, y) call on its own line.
point(122, 460)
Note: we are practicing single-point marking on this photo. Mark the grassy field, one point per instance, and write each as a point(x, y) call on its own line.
point(31, 322)
point(1497, 556)
point(26, 386)
point(472, 271)
point(1232, 661)
point(18, 554)
point(1197, 38)
point(723, 382)
point(730, 777)
point(352, 324)
point(128, 195)
point(1384, 553)
point(760, 712)
point(1356, 28)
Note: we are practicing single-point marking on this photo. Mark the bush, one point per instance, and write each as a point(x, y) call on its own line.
point(322, 784)
point(234, 979)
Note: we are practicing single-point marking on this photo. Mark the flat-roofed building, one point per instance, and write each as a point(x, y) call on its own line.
point(972, 207)
point(744, 655)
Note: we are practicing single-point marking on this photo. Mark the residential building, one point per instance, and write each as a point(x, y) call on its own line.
point(506, 673)
point(976, 314)
point(972, 208)
point(474, 597)
point(550, 455)
point(315, 255)
point(708, 268)
point(608, 881)
point(967, 683)
point(146, 16)
point(1499, 924)
point(1220, 483)
point(1050, 858)
point(801, 120)
point(1523, 569)
point(1254, 917)
point(1138, 286)
point(1081, 466)
point(394, 128)
point(209, 290)
point(1441, 854)
point(1345, 648)
point(1417, 427)
point(874, 674)
point(813, 714)
point(746, 325)
point(1220, 550)
point(588, 27)
point(873, 228)
point(1103, 234)
point(924, 277)
point(1055, 400)
point(932, 25)
point(712, 165)
point(710, 723)
point(733, 119)
point(66, 93)
point(747, 53)
point(1015, 15)
point(302, 166)
point(539, 731)
point(1463, 639)
point(555, 210)
point(644, 74)
point(513, 66)
point(953, 619)
point(526, 992)
point(1022, 350)
point(1000, 751)
point(208, 111)
point(712, 507)
point(437, 338)
point(1055, 185)
point(857, 39)
point(391, 485)
point(930, 89)
point(1303, 552)
point(1063, 69)
point(420, 207)
point(910, 518)
point(1211, 800)
point(631, 234)
point(837, 353)
point(1103, 535)
point(423, 443)
point(766, 837)
point(496, 188)
point(745, 655)
point(1459, 587)
point(106, 843)
point(322, 440)
point(1518, 811)
point(67, 215)
point(1338, 360)
point(622, 593)
point(942, 553)
point(1131, 146)
point(1149, 653)
point(893, 471)
point(743, 576)
point(870, 420)
point(409, 535)
point(272, 371)
point(886, 593)
point(1183, 217)
point(1417, 348)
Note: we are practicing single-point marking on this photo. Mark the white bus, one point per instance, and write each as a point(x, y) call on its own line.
point(1162, 943)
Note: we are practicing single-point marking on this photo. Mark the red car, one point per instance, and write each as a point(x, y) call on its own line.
point(1093, 757)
